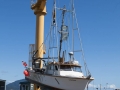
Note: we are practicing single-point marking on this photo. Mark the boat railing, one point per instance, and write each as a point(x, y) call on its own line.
point(31, 52)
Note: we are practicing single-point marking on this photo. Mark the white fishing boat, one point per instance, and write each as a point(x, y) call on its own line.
point(52, 61)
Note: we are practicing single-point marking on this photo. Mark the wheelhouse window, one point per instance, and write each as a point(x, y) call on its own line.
point(65, 67)
point(52, 67)
point(76, 68)
point(70, 68)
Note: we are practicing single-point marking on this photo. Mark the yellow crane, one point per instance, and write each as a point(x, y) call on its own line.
point(39, 8)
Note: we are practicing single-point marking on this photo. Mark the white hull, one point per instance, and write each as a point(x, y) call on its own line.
point(59, 82)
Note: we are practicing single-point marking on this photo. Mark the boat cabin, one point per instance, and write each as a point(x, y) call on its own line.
point(64, 69)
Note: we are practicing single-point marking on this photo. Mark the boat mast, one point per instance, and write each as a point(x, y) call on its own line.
point(63, 14)
point(73, 27)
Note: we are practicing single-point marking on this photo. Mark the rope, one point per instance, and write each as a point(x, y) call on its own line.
point(86, 68)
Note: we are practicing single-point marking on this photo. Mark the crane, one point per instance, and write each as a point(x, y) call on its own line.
point(39, 8)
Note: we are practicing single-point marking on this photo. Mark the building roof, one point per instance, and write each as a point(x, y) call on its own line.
point(2, 80)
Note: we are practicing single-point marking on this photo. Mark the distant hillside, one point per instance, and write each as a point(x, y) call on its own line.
point(14, 85)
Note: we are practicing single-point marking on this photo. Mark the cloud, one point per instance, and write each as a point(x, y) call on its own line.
point(92, 86)
point(112, 86)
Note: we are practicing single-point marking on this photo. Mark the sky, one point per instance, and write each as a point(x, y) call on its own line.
point(99, 24)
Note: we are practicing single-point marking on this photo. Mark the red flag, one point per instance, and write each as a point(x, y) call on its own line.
point(24, 63)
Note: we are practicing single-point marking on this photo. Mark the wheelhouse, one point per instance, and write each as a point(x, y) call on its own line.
point(64, 67)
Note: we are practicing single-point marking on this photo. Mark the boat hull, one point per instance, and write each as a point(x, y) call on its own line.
point(59, 82)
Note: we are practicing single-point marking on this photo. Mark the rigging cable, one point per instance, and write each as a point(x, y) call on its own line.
point(86, 68)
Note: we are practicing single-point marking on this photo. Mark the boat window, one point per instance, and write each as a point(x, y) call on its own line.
point(56, 68)
point(52, 67)
point(65, 67)
point(76, 68)
point(27, 88)
point(44, 64)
